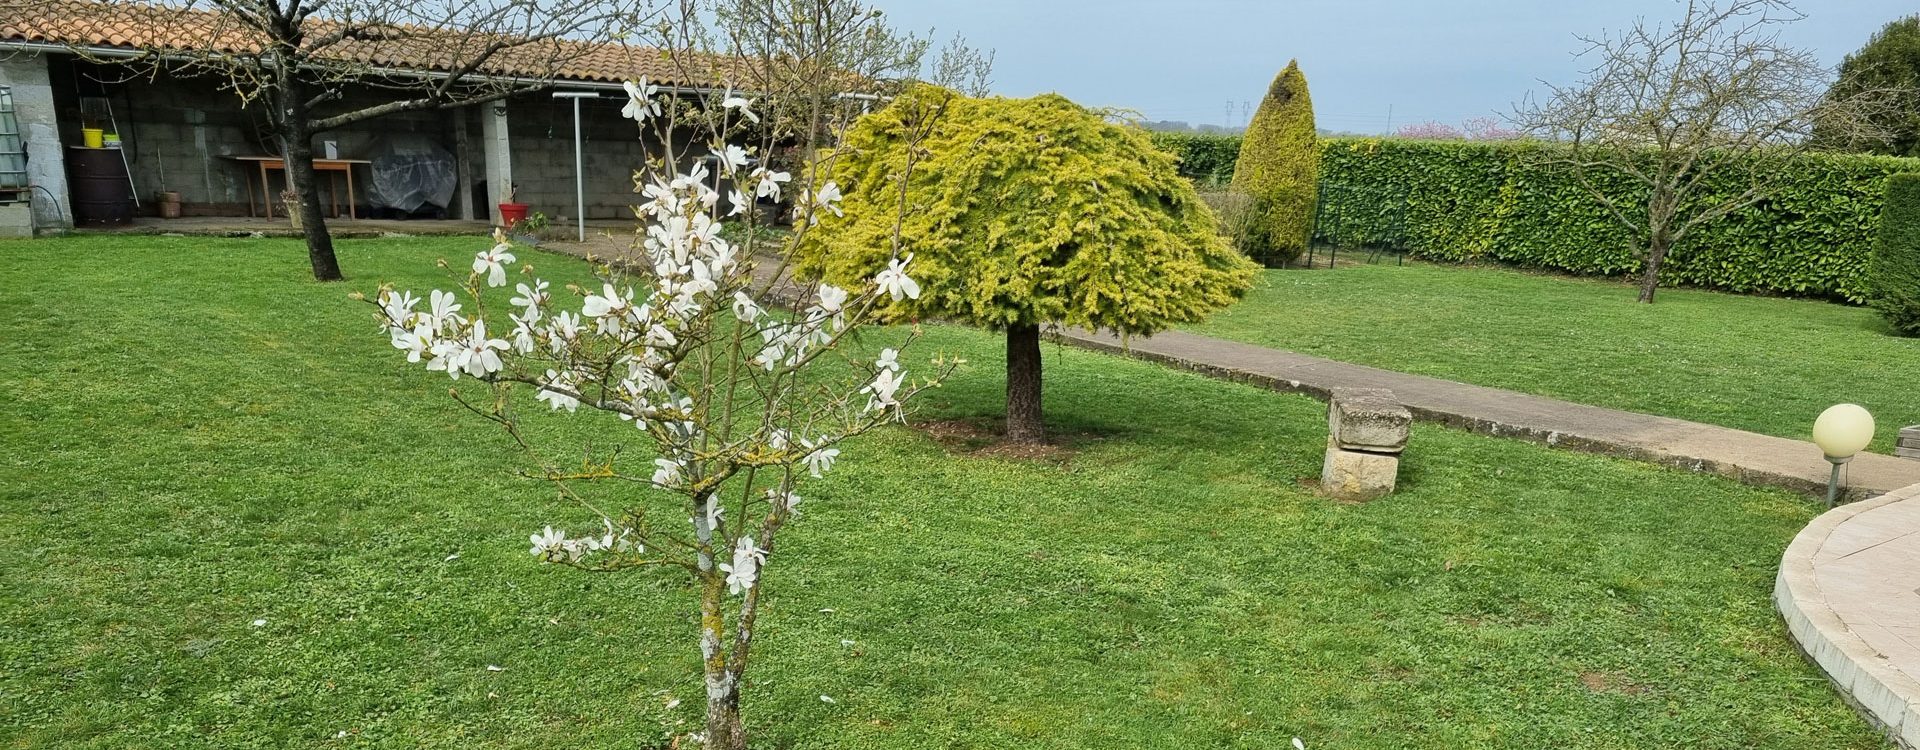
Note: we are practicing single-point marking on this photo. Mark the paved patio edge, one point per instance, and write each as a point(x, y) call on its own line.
point(1744, 456)
point(1864, 676)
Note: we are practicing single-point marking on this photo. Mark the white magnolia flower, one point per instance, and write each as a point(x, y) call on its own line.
point(640, 103)
point(700, 280)
point(715, 512)
point(770, 355)
point(745, 308)
point(731, 158)
point(478, 356)
point(889, 360)
point(531, 297)
point(788, 500)
point(443, 351)
point(745, 567)
point(668, 473)
point(608, 302)
point(886, 384)
point(493, 263)
point(745, 105)
point(659, 336)
point(443, 310)
point(767, 183)
point(547, 541)
point(523, 341)
point(738, 201)
point(558, 400)
point(399, 308)
point(415, 342)
point(564, 328)
point(778, 439)
point(696, 178)
point(828, 197)
point(832, 298)
point(820, 460)
point(894, 282)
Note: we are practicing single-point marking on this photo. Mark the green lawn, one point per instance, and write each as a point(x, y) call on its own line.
point(1768, 365)
point(193, 437)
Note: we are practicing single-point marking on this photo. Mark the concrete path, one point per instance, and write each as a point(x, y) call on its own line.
point(1746, 456)
point(1849, 590)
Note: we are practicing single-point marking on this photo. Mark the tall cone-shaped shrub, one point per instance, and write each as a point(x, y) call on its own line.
point(1893, 277)
point(1279, 169)
point(1022, 213)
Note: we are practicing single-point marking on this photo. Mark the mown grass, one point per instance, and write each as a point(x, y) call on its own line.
point(1767, 365)
point(195, 438)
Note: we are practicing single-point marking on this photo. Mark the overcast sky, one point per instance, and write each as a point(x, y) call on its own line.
point(1443, 60)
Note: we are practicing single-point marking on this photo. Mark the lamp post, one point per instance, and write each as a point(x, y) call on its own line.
point(1842, 431)
point(579, 161)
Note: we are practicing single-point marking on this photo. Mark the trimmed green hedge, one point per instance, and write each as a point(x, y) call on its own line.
point(1896, 256)
point(1460, 200)
point(1207, 158)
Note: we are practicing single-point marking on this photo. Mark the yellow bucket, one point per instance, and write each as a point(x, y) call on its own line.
point(92, 137)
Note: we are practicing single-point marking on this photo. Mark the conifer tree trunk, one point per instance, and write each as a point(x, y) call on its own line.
point(1023, 384)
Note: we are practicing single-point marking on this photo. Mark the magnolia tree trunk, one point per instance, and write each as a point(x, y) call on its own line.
point(724, 731)
point(296, 142)
point(1023, 384)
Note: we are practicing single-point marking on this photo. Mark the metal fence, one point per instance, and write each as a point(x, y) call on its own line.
point(1369, 219)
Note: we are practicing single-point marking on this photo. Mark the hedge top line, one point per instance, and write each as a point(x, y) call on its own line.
point(1183, 144)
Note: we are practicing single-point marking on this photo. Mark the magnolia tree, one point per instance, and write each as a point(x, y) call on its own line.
point(738, 381)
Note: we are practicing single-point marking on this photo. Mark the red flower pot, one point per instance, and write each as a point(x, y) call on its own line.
point(513, 213)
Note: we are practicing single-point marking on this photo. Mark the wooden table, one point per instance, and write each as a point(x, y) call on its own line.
point(319, 165)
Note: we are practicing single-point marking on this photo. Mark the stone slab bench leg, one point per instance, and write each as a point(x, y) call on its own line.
point(1367, 429)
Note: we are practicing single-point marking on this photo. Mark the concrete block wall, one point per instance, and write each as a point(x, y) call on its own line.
point(177, 132)
point(541, 133)
point(37, 112)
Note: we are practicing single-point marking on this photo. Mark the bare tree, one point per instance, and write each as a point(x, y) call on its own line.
point(301, 60)
point(1667, 106)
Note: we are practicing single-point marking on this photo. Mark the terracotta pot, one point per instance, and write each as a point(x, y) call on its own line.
point(513, 213)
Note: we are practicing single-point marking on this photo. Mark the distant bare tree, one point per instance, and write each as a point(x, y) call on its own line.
point(298, 60)
point(1666, 106)
point(1431, 130)
point(1487, 129)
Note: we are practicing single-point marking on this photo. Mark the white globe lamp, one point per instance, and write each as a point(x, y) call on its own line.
point(1842, 431)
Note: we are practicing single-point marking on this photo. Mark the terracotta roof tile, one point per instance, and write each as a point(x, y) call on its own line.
point(135, 26)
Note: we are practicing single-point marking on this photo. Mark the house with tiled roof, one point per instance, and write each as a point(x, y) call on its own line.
point(100, 141)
